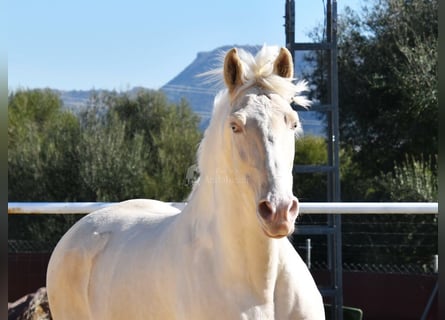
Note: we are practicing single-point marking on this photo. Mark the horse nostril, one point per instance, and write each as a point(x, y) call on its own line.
point(265, 209)
point(293, 209)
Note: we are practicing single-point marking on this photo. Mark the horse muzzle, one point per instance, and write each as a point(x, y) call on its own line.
point(278, 218)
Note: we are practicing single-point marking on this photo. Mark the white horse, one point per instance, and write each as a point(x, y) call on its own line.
point(226, 255)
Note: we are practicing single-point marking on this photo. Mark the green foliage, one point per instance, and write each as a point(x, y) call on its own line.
point(353, 183)
point(171, 138)
point(176, 146)
point(41, 154)
point(111, 166)
point(396, 239)
point(413, 180)
point(44, 231)
point(313, 150)
point(122, 147)
point(310, 150)
point(387, 71)
point(42, 161)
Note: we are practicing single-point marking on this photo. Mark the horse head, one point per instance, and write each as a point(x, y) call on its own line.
point(261, 127)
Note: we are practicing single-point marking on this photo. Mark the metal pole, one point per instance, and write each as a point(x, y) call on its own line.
point(308, 252)
point(289, 26)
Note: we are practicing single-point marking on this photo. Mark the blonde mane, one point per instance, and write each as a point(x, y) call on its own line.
point(258, 71)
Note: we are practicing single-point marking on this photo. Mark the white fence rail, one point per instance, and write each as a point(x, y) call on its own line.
point(305, 208)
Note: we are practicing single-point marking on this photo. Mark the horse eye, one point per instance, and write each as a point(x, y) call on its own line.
point(235, 127)
point(293, 126)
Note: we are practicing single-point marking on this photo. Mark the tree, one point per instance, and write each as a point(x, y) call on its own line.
point(122, 147)
point(381, 59)
point(42, 162)
point(171, 137)
point(412, 180)
point(111, 165)
point(176, 145)
point(387, 64)
point(310, 150)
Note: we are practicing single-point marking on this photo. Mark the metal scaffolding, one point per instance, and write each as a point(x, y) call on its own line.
point(332, 229)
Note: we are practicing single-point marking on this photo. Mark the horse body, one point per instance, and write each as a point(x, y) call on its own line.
point(226, 255)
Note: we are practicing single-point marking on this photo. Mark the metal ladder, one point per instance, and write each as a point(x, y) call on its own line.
point(332, 228)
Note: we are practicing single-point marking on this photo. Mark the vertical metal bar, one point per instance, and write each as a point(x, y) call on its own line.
point(334, 243)
point(289, 26)
point(430, 301)
point(334, 101)
point(436, 263)
point(330, 95)
point(308, 252)
point(338, 273)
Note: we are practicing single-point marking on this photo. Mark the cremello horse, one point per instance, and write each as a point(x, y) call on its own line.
point(226, 255)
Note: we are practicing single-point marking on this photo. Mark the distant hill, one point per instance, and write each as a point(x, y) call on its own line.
point(198, 91)
point(75, 100)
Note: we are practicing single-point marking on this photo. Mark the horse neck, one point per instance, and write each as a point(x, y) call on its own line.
point(224, 216)
point(221, 213)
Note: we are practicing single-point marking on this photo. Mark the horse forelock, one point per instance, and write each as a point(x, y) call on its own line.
point(258, 71)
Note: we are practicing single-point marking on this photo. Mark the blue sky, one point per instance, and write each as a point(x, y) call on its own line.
point(81, 45)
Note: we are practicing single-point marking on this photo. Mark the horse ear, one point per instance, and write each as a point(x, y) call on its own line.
point(233, 70)
point(284, 66)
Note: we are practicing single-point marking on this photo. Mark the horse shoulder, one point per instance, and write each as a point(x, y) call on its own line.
point(69, 271)
point(296, 294)
point(81, 262)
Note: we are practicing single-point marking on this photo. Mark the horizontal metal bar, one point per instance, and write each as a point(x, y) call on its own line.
point(312, 169)
point(55, 207)
point(302, 46)
point(328, 292)
point(322, 107)
point(305, 207)
point(369, 207)
point(313, 229)
point(314, 108)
